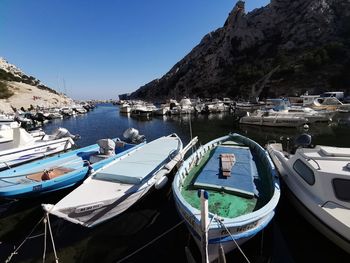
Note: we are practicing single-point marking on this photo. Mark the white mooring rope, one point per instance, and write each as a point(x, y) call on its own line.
point(53, 242)
point(46, 220)
point(15, 252)
point(228, 231)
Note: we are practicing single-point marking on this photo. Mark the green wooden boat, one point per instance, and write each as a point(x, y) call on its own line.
point(242, 189)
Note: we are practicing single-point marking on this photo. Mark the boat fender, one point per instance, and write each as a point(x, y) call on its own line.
point(161, 182)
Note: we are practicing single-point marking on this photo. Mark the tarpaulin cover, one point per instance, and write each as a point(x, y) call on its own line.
point(240, 182)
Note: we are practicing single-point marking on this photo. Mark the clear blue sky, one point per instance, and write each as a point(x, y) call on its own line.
point(107, 47)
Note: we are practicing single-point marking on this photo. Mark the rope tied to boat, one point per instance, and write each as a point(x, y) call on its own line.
point(47, 224)
point(217, 219)
point(15, 252)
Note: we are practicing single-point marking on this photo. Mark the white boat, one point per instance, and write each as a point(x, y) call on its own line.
point(285, 109)
point(67, 111)
point(311, 115)
point(216, 106)
point(125, 108)
point(6, 118)
point(79, 109)
point(263, 118)
point(142, 109)
point(117, 186)
point(243, 188)
point(318, 184)
point(163, 110)
point(55, 114)
point(18, 146)
point(330, 103)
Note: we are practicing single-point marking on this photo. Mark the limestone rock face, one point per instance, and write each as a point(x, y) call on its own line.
point(304, 38)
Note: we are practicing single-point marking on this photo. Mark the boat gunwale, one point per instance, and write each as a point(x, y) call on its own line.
point(143, 187)
point(236, 221)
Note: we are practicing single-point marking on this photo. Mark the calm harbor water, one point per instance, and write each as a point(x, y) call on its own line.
point(288, 238)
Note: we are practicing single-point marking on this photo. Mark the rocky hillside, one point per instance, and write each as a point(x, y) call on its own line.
point(9, 72)
point(285, 48)
point(20, 90)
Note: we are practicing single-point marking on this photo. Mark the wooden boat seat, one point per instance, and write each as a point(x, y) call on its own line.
point(227, 162)
point(49, 174)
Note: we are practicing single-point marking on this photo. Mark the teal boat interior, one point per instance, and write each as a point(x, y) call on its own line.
point(248, 187)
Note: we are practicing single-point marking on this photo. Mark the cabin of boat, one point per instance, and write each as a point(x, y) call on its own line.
point(318, 179)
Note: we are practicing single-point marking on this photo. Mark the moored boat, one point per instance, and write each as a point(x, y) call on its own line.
point(243, 191)
point(318, 184)
point(60, 171)
point(24, 147)
point(117, 186)
point(262, 118)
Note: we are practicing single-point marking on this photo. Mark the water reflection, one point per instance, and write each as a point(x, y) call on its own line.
point(150, 218)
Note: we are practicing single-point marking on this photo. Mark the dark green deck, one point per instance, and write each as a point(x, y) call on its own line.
point(221, 203)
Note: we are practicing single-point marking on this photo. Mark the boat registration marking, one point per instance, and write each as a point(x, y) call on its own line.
point(246, 227)
point(86, 208)
point(37, 187)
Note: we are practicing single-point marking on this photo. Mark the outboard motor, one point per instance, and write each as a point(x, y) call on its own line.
point(107, 147)
point(63, 132)
point(303, 141)
point(132, 135)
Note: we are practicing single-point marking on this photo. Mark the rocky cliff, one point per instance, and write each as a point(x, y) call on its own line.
point(285, 48)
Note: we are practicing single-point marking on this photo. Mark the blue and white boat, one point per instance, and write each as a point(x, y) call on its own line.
point(62, 170)
point(242, 191)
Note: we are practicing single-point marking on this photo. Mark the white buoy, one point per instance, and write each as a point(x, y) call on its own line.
point(204, 224)
point(306, 127)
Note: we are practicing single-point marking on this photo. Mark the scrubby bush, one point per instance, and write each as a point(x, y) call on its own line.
point(4, 91)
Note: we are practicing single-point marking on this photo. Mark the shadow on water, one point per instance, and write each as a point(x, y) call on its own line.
point(288, 238)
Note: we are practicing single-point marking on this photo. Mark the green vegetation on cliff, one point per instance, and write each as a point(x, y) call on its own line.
point(4, 75)
point(5, 93)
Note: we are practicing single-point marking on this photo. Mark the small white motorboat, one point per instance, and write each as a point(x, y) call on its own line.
point(17, 146)
point(125, 108)
point(117, 186)
point(318, 184)
point(264, 118)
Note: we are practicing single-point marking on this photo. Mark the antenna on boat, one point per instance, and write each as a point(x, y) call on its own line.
point(190, 124)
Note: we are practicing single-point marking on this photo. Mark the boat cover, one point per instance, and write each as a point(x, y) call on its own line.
point(143, 162)
point(241, 181)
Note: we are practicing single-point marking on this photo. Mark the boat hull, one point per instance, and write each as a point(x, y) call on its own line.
point(225, 231)
point(313, 211)
point(218, 236)
point(68, 169)
point(273, 121)
point(118, 185)
point(17, 156)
